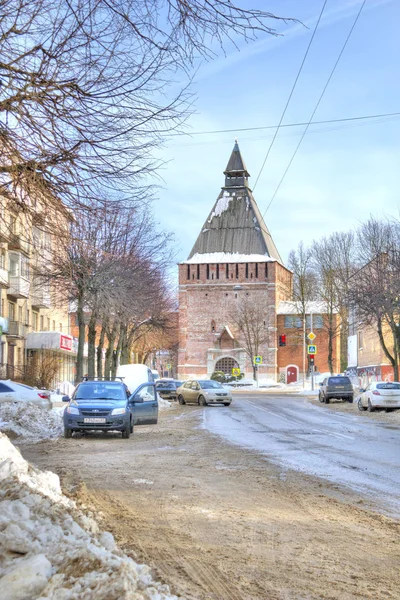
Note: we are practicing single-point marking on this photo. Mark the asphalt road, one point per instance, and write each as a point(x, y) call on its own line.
point(343, 448)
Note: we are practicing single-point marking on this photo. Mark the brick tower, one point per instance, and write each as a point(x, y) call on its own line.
point(233, 272)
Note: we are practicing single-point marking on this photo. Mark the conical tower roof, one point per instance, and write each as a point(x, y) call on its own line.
point(235, 229)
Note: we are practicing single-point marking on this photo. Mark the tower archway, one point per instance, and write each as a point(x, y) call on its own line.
point(226, 364)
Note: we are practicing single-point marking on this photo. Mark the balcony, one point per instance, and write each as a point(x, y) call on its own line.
point(19, 286)
point(17, 329)
point(40, 298)
point(18, 242)
point(4, 283)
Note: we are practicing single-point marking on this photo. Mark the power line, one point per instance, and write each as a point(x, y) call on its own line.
point(285, 125)
point(317, 105)
point(291, 92)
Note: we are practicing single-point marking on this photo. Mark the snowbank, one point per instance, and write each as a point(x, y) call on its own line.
point(50, 550)
point(163, 404)
point(30, 422)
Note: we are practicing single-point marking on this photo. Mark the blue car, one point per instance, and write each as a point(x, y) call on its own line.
point(101, 405)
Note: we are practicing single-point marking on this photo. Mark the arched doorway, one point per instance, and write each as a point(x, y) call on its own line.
point(292, 374)
point(226, 365)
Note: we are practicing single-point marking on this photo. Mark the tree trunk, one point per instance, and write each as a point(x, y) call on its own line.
point(111, 336)
point(81, 339)
point(117, 353)
point(100, 350)
point(92, 345)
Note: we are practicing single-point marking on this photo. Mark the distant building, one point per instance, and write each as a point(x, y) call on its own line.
point(234, 263)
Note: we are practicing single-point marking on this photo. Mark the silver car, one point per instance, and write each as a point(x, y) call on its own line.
point(203, 392)
point(19, 392)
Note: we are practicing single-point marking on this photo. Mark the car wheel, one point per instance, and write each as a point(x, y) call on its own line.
point(326, 400)
point(320, 397)
point(181, 400)
point(67, 433)
point(227, 403)
point(126, 432)
point(202, 401)
point(131, 427)
point(360, 405)
point(370, 407)
point(350, 399)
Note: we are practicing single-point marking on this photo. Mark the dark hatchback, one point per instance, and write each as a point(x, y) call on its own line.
point(167, 388)
point(109, 406)
point(337, 386)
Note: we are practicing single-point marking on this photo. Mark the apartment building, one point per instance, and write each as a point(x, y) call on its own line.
point(33, 324)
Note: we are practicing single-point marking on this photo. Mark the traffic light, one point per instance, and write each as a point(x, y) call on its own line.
point(282, 340)
point(311, 357)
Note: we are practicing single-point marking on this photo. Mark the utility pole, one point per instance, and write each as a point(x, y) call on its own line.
point(304, 349)
point(312, 366)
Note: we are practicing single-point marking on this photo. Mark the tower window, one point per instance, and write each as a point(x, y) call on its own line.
point(237, 271)
point(256, 267)
point(227, 271)
point(247, 270)
point(213, 326)
point(188, 271)
point(217, 276)
point(192, 275)
point(198, 271)
point(208, 271)
point(266, 270)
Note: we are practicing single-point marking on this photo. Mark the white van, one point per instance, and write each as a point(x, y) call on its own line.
point(134, 375)
point(155, 374)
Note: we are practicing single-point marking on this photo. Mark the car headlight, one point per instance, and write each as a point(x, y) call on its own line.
point(118, 411)
point(72, 410)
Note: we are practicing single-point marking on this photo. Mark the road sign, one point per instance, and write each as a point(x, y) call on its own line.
point(311, 349)
point(235, 372)
point(257, 360)
point(311, 336)
point(169, 367)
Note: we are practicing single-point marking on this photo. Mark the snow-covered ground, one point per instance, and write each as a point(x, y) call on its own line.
point(30, 422)
point(51, 550)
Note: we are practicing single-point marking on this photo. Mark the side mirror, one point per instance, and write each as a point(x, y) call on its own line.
point(66, 399)
point(362, 390)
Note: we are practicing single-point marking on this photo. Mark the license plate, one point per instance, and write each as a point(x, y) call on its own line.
point(94, 420)
point(340, 387)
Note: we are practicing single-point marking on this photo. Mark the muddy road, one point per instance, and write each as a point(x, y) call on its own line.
point(217, 522)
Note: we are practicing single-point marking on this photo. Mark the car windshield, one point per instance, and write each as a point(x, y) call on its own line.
point(100, 391)
point(388, 386)
point(339, 381)
point(178, 383)
point(165, 384)
point(209, 384)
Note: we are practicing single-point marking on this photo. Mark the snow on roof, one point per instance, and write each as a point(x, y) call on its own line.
point(293, 308)
point(228, 331)
point(227, 257)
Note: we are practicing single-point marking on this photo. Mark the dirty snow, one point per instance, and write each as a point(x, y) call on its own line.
point(51, 550)
point(30, 422)
point(227, 257)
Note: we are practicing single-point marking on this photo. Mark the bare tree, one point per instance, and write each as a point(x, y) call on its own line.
point(374, 290)
point(252, 321)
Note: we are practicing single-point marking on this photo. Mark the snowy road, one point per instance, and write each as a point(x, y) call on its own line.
point(343, 448)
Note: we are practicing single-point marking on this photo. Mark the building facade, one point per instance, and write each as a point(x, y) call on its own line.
point(234, 290)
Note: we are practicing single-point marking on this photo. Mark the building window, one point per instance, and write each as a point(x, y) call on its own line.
point(20, 314)
point(213, 326)
point(54, 325)
point(266, 270)
point(35, 319)
point(208, 271)
point(317, 322)
point(198, 271)
point(11, 311)
point(293, 321)
point(227, 271)
point(48, 323)
point(27, 316)
point(193, 276)
point(3, 308)
point(3, 259)
point(360, 340)
point(217, 276)
point(61, 327)
point(247, 270)
point(188, 272)
point(256, 267)
point(41, 323)
point(237, 271)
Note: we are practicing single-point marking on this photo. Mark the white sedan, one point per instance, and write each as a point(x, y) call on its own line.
point(380, 394)
point(18, 392)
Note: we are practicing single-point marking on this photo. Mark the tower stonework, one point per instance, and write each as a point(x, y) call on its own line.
point(234, 263)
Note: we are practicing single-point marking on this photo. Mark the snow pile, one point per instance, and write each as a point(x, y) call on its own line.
point(250, 383)
point(163, 404)
point(51, 551)
point(26, 420)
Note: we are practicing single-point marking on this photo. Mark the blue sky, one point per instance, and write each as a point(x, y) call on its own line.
point(342, 173)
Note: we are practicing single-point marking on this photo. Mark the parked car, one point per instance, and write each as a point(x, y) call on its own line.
point(103, 405)
point(337, 386)
point(380, 394)
point(19, 392)
point(203, 392)
point(167, 388)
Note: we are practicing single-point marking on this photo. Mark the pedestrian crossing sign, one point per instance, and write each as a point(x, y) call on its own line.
point(311, 349)
point(257, 360)
point(235, 372)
